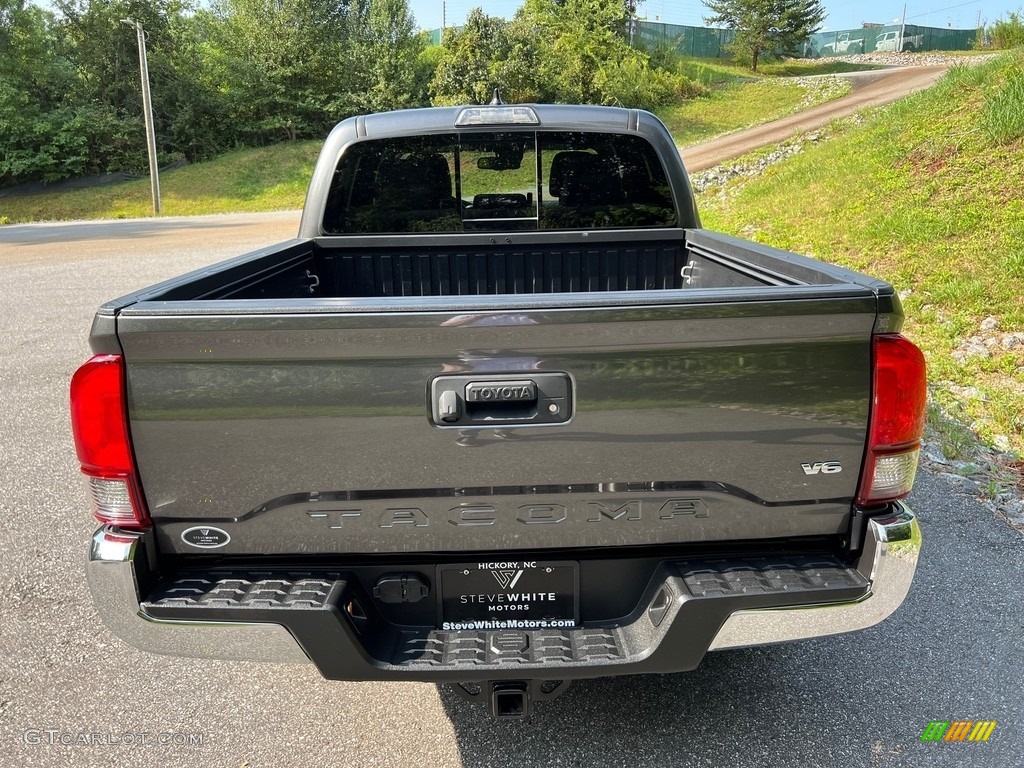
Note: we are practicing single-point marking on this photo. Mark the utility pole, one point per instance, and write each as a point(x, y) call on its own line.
point(903, 27)
point(147, 108)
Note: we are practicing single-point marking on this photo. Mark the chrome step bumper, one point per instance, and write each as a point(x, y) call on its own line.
point(697, 605)
point(889, 559)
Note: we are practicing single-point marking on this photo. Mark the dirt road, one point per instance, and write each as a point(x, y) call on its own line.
point(870, 89)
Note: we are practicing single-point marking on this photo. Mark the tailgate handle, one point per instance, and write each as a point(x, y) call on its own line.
point(500, 400)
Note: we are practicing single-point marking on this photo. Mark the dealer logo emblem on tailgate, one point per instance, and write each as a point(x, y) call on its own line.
point(205, 537)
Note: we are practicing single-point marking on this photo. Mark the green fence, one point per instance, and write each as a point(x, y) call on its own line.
point(708, 43)
point(889, 38)
point(699, 42)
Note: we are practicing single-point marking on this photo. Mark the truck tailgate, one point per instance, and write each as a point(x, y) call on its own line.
point(694, 420)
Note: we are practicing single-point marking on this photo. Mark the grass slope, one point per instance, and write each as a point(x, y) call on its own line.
point(740, 100)
point(743, 103)
point(927, 194)
point(266, 179)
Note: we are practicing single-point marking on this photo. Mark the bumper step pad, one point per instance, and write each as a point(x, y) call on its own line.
point(670, 630)
point(502, 647)
point(255, 590)
point(723, 578)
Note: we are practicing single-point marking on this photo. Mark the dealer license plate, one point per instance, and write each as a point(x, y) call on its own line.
point(509, 594)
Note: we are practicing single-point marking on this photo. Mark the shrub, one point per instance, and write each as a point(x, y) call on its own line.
point(632, 82)
point(1003, 116)
point(1007, 33)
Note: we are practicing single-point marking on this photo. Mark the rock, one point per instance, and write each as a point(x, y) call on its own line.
point(964, 483)
point(926, 58)
point(990, 324)
point(719, 175)
point(934, 456)
point(970, 349)
point(965, 468)
point(1015, 511)
point(1012, 341)
point(821, 88)
point(966, 393)
point(1002, 443)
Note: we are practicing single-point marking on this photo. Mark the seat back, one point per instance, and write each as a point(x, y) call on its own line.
point(572, 174)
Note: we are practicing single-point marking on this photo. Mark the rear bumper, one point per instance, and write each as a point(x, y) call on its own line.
point(889, 560)
point(116, 570)
point(676, 625)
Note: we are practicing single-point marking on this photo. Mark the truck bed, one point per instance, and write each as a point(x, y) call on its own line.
point(479, 266)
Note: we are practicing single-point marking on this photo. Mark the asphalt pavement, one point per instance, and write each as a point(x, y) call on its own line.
point(73, 694)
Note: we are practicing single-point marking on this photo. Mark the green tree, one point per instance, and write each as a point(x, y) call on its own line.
point(385, 50)
point(30, 54)
point(281, 65)
point(575, 38)
point(489, 52)
point(32, 79)
point(104, 50)
point(633, 82)
point(765, 28)
point(187, 109)
point(570, 51)
point(45, 134)
point(198, 124)
point(468, 69)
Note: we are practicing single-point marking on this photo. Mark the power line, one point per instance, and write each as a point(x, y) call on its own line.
point(940, 10)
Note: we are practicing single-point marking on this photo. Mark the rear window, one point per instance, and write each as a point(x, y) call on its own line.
point(485, 182)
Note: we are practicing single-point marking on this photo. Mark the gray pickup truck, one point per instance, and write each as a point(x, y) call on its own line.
point(503, 416)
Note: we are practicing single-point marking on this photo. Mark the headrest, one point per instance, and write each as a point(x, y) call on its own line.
point(565, 166)
point(415, 177)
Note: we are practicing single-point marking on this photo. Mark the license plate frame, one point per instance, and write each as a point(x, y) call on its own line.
point(508, 594)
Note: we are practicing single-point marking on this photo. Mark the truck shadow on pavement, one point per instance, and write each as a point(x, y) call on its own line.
point(720, 714)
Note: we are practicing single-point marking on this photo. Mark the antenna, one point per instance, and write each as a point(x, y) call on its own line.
point(496, 99)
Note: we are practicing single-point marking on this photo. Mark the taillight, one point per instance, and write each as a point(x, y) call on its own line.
point(99, 421)
point(899, 396)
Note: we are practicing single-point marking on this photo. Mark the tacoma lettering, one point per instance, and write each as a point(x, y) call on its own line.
point(629, 510)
